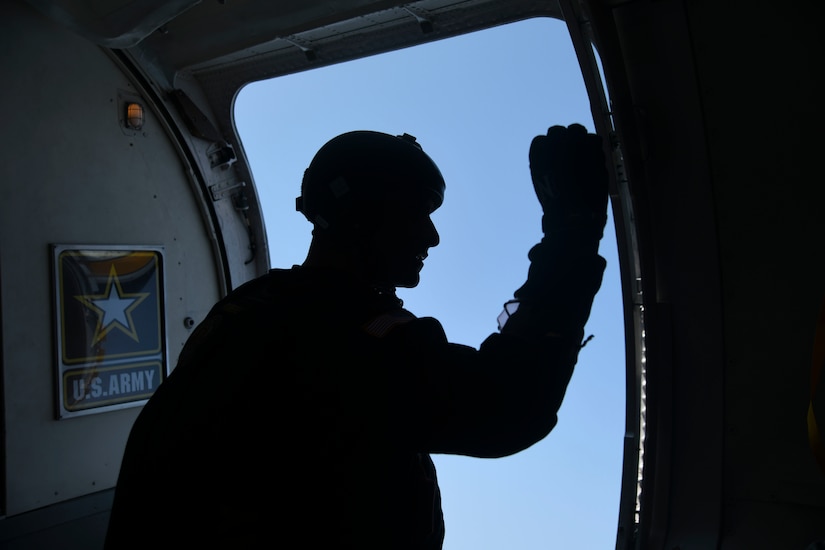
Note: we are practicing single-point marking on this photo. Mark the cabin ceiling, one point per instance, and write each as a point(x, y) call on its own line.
point(263, 39)
point(209, 50)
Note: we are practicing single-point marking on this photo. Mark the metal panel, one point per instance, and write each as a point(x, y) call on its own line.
point(74, 174)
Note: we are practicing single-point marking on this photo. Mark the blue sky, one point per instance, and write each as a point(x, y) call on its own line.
point(474, 103)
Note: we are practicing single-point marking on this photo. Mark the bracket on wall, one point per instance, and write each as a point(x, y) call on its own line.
point(221, 155)
point(224, 188)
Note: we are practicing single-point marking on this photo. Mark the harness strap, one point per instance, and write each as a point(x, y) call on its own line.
point(381, 326)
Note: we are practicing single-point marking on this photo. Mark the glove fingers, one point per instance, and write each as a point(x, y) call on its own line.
point(569, 172)
point(577, 130)
point(556, 130)
point(545, 152)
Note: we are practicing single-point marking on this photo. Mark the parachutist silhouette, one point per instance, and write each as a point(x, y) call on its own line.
point(308, 402)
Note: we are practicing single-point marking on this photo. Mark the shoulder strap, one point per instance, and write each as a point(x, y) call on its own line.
point(381, 325)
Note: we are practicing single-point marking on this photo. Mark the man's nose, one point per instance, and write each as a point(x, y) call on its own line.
point(433, 234)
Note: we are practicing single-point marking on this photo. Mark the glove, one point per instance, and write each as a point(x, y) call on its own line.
point(570, 178)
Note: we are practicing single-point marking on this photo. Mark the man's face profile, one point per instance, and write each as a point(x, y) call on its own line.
point(402, 237)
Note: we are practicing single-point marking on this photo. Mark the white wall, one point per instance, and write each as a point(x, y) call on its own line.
point(72, 174)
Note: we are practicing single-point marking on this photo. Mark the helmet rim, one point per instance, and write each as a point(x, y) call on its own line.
point(355, 172)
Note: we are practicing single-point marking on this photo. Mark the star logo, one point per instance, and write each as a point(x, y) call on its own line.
point(113, 308)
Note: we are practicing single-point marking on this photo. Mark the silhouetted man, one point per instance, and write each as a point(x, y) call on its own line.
point(304, 408)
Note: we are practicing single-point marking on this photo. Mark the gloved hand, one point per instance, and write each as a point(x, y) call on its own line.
point(570, 178)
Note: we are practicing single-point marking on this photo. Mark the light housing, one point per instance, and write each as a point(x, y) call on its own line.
point(134, 116)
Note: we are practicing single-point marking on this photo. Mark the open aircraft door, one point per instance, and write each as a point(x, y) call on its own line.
point(119, 230)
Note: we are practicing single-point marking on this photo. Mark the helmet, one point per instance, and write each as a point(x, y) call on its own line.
point(353, 174)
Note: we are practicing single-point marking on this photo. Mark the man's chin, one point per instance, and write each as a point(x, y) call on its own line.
point(408, 280)
point(409, 283)
point(406, 274)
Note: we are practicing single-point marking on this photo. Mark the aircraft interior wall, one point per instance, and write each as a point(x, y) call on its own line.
point(764, 133)
point(75, 175)
point(717, 108)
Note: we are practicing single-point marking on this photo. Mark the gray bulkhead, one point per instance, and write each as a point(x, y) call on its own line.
point(74, 174)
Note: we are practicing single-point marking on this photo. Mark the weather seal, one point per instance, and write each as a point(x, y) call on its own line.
point(630, 502)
